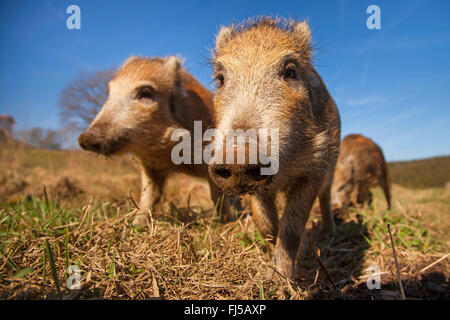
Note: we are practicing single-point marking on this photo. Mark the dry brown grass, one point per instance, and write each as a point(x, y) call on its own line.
point(185, 253)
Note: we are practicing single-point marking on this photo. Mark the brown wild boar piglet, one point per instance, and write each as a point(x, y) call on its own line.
point(361, 166)
point(148, 99)
point(266, 80)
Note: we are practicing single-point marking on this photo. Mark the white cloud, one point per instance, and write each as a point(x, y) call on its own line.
point(365, 101)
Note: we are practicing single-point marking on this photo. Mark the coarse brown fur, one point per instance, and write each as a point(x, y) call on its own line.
point(266, 79)
point(361, 166)
point(149, 98)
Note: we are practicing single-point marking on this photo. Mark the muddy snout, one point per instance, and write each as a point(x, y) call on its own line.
point(239, 177)
point(96, 141)
point(90, 141)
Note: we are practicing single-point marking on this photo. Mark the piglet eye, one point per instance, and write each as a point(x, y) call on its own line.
point(220, 80)
point(145, 92)
point(290, 72)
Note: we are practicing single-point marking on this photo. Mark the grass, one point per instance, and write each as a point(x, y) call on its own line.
point(185, 253)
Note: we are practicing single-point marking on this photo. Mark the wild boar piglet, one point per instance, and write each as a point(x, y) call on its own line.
point(148, 99)
point(361, 166)
point(266, 83)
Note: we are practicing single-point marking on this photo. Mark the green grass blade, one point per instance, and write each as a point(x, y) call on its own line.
point(66, 250)
point(261, 291)
point(221, 200)
point(53, 267)
point(53, 218)
point(43, 265)
point(22, 273)
point(368, 241)
point(112, 266)
point(47, 205)
point(10, 261)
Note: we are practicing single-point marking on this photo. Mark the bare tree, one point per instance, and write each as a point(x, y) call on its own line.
point(40, 138)
point(82, 98)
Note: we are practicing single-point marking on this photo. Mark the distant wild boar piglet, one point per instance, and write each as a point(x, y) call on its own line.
point(360, 166)
point(266, 80)
point(148, 99)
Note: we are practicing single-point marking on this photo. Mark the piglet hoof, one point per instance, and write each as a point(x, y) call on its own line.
point(141, 217)
point(282, 265)
point(274, 273)
point(270, 274)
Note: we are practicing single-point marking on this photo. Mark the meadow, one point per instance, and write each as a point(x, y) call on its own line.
point(65, 208)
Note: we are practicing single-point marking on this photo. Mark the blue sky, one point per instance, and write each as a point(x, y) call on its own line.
point(392, 84)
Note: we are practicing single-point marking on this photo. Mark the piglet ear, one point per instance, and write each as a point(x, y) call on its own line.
point(351, 161)
point(224, 35)
point(302, 29)
point(172, 65)
point(130, 60)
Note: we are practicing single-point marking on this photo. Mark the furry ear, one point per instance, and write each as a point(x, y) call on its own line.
point(350, 160)
point(224, 35)
point(130, 60)
point(302, 29)
point(172, 65)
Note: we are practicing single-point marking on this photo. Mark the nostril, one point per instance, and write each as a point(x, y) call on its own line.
point(222, 172)
point(86, 142)
point(254, 172)
point(82, 141)
point(95, 146)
